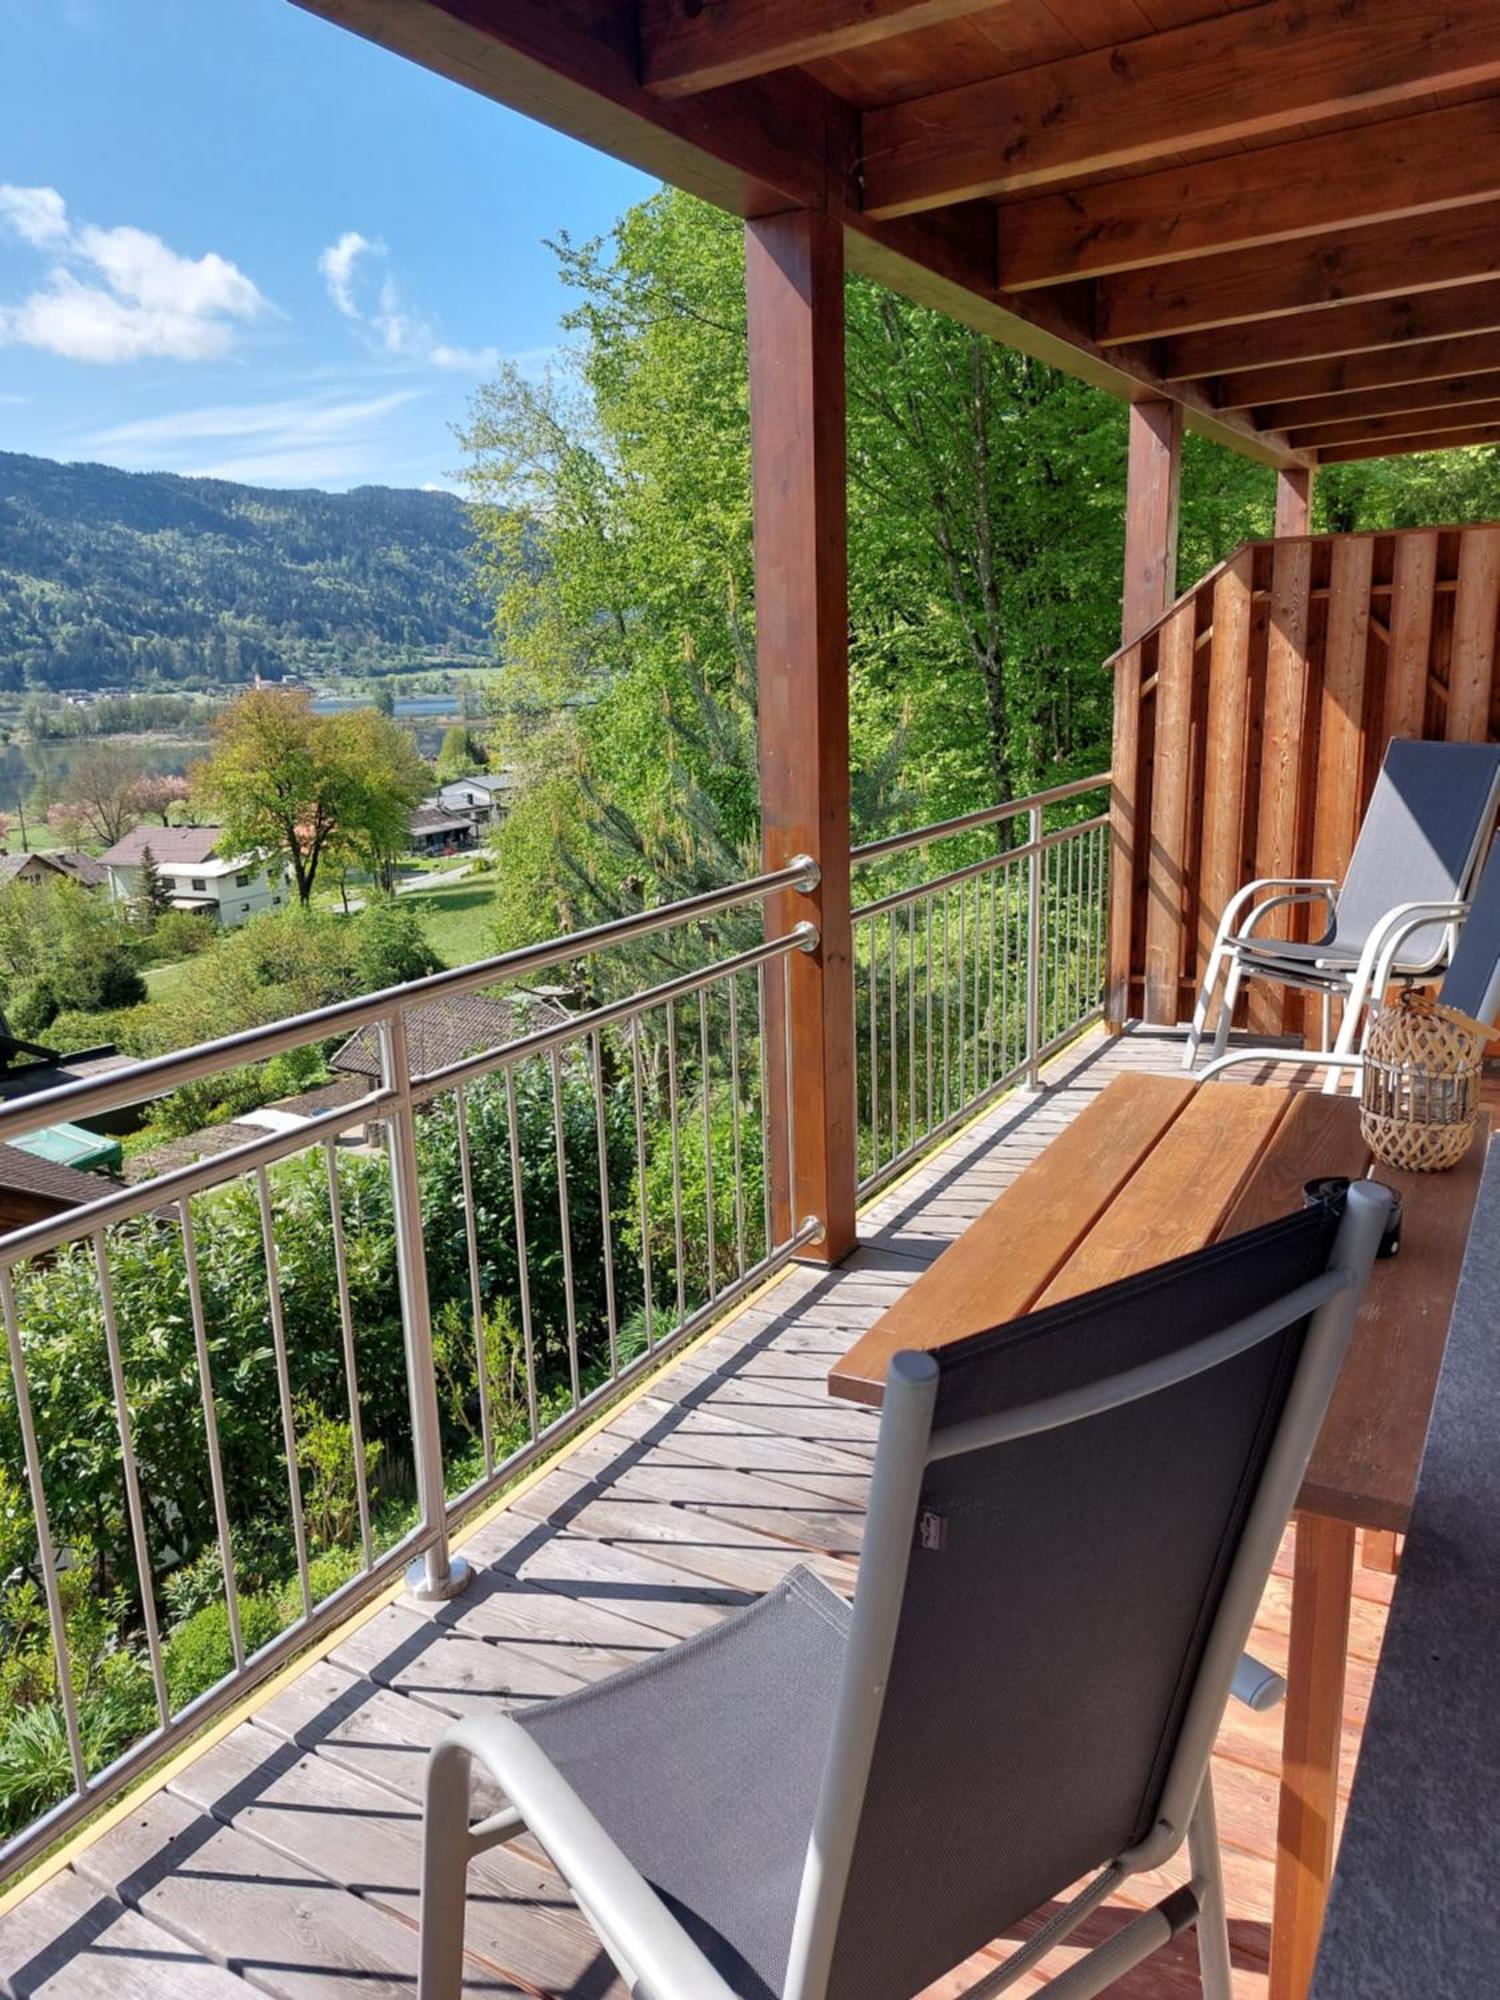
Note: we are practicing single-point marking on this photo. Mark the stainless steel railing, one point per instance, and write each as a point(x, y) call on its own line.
point(600, 1182)
point(966, 981)
point(290, 1366)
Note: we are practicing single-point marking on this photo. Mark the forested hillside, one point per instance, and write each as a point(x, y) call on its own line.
point(112, 578)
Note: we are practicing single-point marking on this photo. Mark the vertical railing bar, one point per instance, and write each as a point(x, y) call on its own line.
point(640, 1161)
point(135, 1513)
point(911, 1023)
point(891, 1037)
point(963, 993)
point(927, 927)
point(606, 1224)
point(211, 1429)
point(947, 1012)
point(762, 1004)
point(708, 1145)
point(978, 980)
point(991, 1017)
point(283, 1384)
point(874, 1043)
point(793, 1219)
point(57, 1624)
point(734, 1122)
point(565, 1223)
point(1033, 946)
point(523, 1271)
point(351, 1371)
point(676, 1139)
point(476, 1287)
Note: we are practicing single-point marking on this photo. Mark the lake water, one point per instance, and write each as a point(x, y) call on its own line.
point(26, 769)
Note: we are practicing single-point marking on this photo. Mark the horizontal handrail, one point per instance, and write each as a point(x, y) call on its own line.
point(923, 836)
point(986, 866)
point(155, 1075)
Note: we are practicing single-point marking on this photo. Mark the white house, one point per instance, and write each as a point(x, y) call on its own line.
point(481, 800)
point(198, 879)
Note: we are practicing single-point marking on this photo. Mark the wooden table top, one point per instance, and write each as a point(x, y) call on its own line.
point(1158, 1167)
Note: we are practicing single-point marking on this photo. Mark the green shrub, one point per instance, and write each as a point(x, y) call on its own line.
point(197, 1654)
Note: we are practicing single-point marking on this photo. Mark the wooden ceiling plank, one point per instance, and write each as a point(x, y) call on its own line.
point(1268, 69)
point(1457, 246)
point(1352, 374)
point(1336, 330)
point(1364, 430)
point(688, 46)
point(1401, 400)
point(1350, 454)
point(1367, 173)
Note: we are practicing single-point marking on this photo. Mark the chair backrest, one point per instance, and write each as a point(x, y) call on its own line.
point(1428, 822)
point(1472, 981)
point(1057, 1594)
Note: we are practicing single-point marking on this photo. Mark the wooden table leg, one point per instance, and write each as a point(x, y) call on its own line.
point(1323, 1583)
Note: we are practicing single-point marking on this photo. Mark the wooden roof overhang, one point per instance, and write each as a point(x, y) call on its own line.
point(1282, 214)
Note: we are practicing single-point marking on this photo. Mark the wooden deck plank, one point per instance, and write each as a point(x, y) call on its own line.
point(70, 1941)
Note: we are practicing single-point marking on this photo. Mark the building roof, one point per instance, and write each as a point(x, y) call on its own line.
point(432, 819)
point(491, 781)
point(85, 869)
point(50, 1180)
point(167, 843)
point(445, 1031)
point(14, 865)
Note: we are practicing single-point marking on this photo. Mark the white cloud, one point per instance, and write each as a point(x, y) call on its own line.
point(392, 326)
point(295, 441)
point(337, 267)
point(120, 294)
point(38, 215)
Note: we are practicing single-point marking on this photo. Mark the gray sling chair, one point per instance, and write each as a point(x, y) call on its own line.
point(1419, 846)
point(1071, 1522)
point(1471, 984)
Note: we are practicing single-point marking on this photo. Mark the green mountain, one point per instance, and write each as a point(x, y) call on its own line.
point(129, 579)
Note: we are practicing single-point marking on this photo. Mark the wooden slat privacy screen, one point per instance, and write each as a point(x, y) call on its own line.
point(1250, 722)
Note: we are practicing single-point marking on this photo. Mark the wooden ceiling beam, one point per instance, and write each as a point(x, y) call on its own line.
point(1367, 430)
point(758, 148)
point(1427, 398)
point(1316, 336)
point(692, 45)
point(1262, 69)
point(1363, 173)
point(1350, 374)
point(1348, 454)
point(1386, 260)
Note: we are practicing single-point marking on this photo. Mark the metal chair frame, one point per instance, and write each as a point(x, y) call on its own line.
point(654, 1953)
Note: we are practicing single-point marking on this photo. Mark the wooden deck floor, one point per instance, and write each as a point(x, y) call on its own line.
point(285, 1857)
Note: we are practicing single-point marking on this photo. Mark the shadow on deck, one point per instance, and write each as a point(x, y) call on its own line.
point(285, 1855)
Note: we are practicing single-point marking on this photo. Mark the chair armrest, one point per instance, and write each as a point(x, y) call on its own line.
point(615, 1896)
point(1305, 888)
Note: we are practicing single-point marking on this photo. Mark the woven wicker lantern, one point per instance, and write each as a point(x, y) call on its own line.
point(1419, 1097)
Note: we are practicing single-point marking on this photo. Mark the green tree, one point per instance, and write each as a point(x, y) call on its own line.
point(297, 786)
point(384, 697)
point(461, 752)
point(154, 896)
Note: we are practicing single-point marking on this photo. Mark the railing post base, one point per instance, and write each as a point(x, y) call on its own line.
point(429, 1589)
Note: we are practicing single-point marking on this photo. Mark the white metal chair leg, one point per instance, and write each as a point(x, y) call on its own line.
point(1200, 1008)
point(1208, 1870)
point(1233, 980)
point(445, 1871)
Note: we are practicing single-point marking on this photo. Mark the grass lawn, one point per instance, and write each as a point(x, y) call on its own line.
point(165, 982)
point(459, 919)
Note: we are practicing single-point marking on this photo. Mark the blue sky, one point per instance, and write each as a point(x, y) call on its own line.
point(237, 241)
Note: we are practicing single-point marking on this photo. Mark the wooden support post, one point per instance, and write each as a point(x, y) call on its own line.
point(1151, 485)
point(1151, 482)
point(1294, 485)
point(794, 276)
point(1323, 1581)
